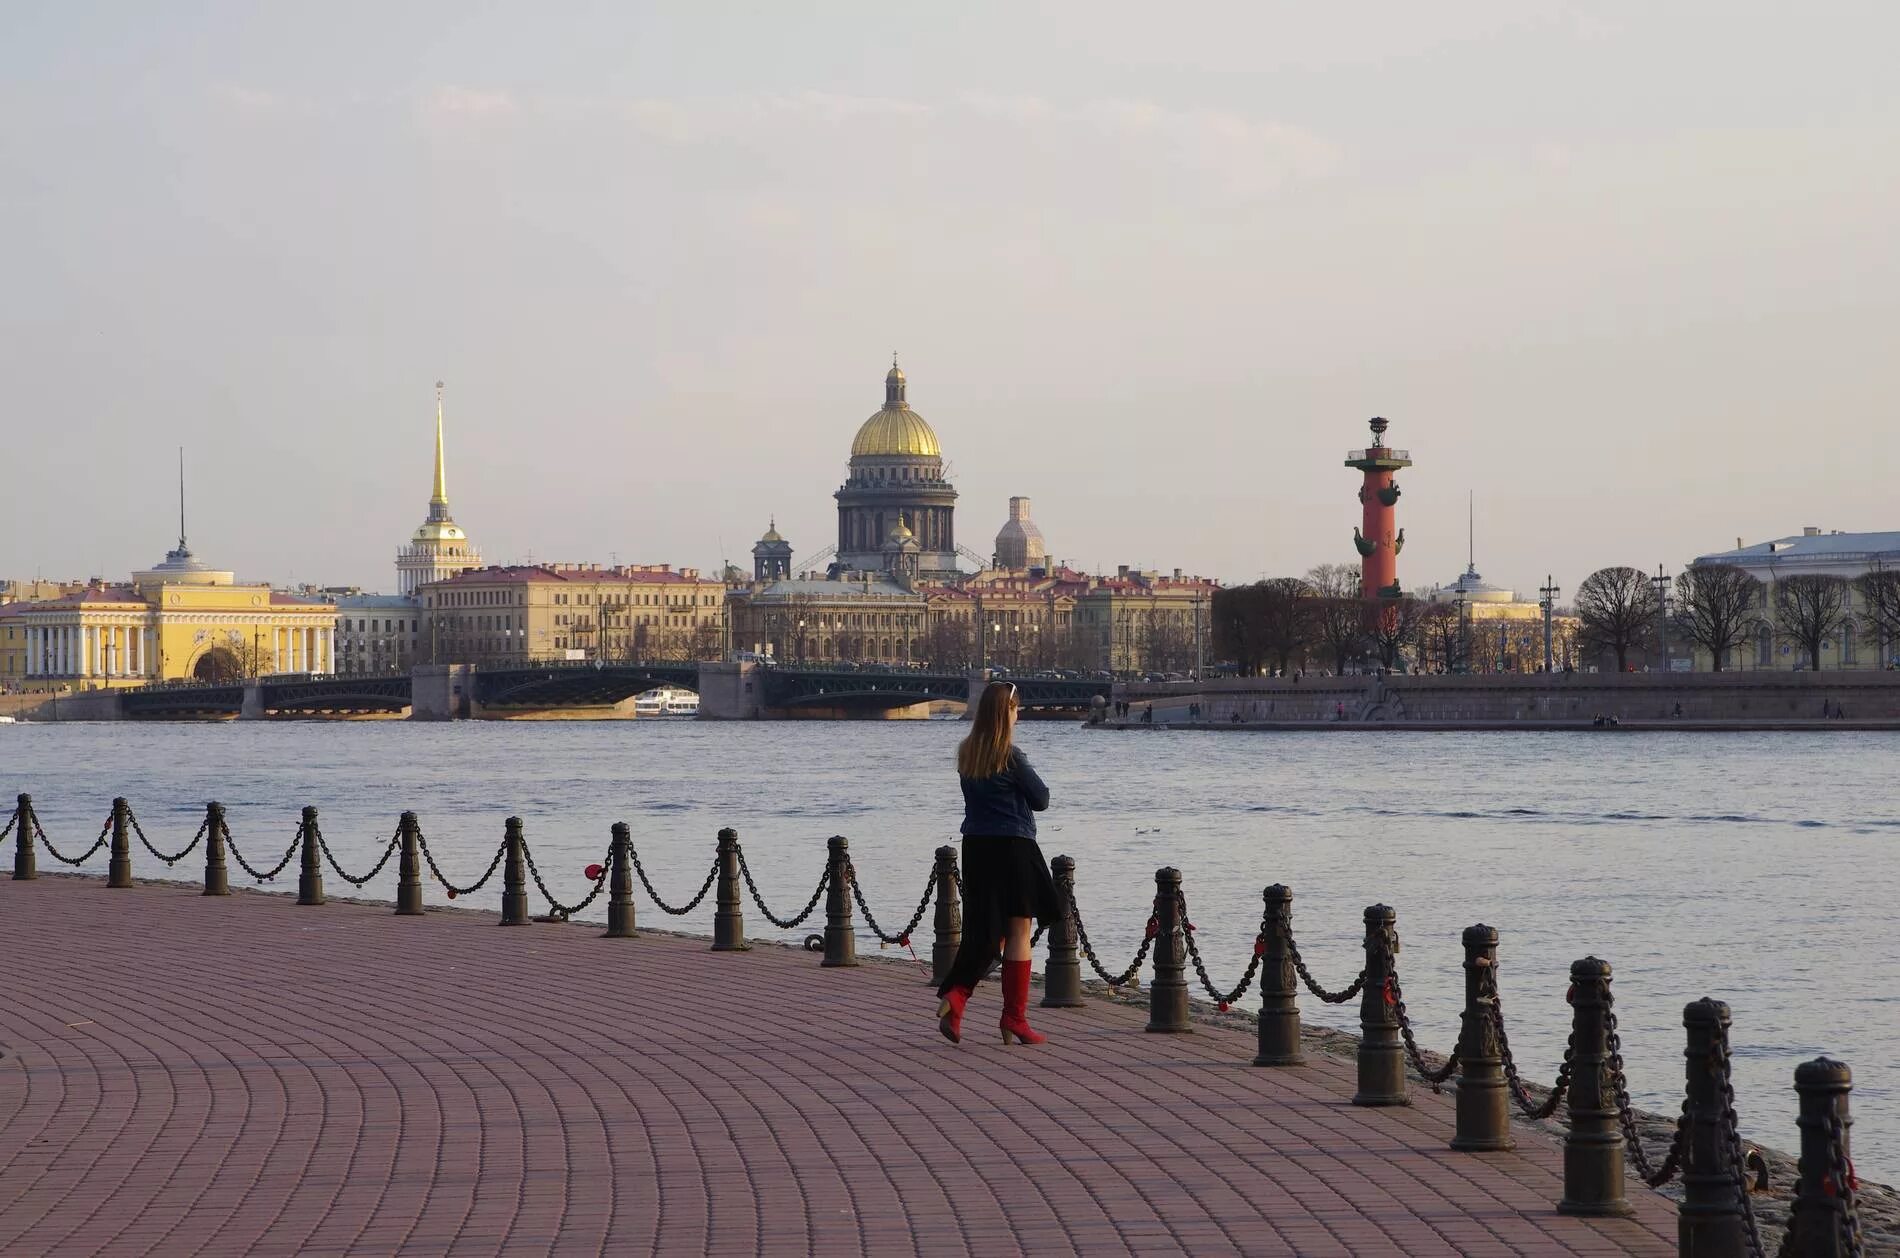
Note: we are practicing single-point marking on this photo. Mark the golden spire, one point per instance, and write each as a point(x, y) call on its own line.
point(440, 497)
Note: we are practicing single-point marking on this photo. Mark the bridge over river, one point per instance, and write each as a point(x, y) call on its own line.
point(728, 692)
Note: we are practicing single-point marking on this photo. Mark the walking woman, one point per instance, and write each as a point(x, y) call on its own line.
point(1006, 882)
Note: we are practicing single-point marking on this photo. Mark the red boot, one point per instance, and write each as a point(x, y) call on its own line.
point(950, 1013)
point(1016, 1004)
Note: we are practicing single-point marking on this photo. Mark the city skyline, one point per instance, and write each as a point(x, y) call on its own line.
point(1157, 284)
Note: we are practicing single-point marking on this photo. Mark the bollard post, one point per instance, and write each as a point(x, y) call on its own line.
point(1484, 1107)
point(841, 942)
point(217, 880)
point(1168, 994)
point(947, 920)
point(514, 877)
point(1823, 1224)
point(310, 873)
point(409, 867)
point(119, 872)
point(1062, 972)
point(728, 917)
point(1381, 1052)
point(620, 923)
point(1279, 985)
point(1593, 1147)
point(24, 848)
point(1709, 1220)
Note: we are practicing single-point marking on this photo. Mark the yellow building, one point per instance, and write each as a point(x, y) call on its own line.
point(181, 619)
point(573, 611)
point(1485, 628)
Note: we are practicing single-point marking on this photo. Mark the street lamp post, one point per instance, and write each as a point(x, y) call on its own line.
point(1464, 635)
point(1661, 584)
point(1548, 602)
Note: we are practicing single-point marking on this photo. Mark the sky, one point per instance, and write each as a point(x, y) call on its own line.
point(1623, 273)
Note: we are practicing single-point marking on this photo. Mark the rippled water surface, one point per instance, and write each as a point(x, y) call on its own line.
point(1756, 868)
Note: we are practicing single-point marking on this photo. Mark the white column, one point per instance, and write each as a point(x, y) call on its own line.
point(65, 650)
point(146, 660)
point(32, 651)
point(329, 649)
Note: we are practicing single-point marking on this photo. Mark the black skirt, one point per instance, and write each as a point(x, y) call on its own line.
point(1004, 878)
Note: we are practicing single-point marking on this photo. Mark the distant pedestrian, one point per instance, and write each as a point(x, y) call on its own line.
point(1005, 881)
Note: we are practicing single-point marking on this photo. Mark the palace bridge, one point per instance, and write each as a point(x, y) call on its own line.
point(728, 691)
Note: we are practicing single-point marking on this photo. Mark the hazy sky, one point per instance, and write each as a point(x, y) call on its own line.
point(1625, 270)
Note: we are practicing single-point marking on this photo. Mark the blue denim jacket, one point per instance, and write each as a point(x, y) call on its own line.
point(1006, 804)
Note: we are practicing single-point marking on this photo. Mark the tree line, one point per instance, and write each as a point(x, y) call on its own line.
point(1320, 620)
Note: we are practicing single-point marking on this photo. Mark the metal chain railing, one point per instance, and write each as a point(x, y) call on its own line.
point(1653, 1174)
point(1395, 996)
point(1520, 1093)
point(1223, 999)
point(712, 875)
point(450, 887)
point(783, 923)
point(83, 857)
point(903, 936)
point(1306, 976)
point(1088, 949)
point(324, 847)
point(1738, 1160)
point(11, 822)
point(568, 910)
point(169, 860)
point(1846, 1184)
point(232, 847)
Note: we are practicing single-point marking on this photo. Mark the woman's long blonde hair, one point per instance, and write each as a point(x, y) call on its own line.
point(985, 750)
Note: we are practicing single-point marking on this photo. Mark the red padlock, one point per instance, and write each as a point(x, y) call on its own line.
point(594, 872)
point(1222, 1006)
point(1260, 947)
point(451, 893)
point(1390, 991)
point(903, 941)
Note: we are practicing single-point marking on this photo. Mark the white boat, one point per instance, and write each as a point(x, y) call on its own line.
point(7, 720)
point(666, 701)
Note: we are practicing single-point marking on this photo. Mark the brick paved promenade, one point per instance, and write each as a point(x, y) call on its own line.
point(187, 1075)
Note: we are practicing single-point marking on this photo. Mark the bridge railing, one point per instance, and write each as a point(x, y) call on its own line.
point(1723, 1179)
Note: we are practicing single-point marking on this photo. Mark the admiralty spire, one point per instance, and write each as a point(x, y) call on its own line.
point(438, 549)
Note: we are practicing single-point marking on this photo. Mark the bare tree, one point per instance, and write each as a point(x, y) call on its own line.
point(1810, 609)
point(1879, 590)
point(1393, 625)
point(1236, 616)
point(1441, 635)
point(1287, 606)
point(1338, 619)
point(1617, 608)
point(1715, 608)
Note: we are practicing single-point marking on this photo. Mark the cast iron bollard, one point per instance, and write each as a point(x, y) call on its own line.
point(620, 924)
point(1168, 994)
point(409, 868)
point(1709, 1220)
point(1821, 1226)
point(514, 877)
point(1593, 1148)
point(1484, 1107)
point(947, 919)
point(217, 880)
point(24, 824)
point(1062, 972)
point(728, 917)
point(1279, 985)
point(841, 943)
point(310, 874)
point(1381, 1052)
point(119, 872)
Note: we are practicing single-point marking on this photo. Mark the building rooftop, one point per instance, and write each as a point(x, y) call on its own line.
point(1814, 545)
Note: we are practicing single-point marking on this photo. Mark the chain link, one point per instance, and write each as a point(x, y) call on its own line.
point(389, 851)
point(1653, 1175)
point(783, 923)
point(1738, 1161)
point(1088, 950)
point(1841, 1167)
point(1519, 1092)
point(567, 910)
point(169, 860)
point(1436, 1078)
point(902, 936)
point(81, 859)
point(712, 875)
point(1299, 964)
point(246, 866)
point(1223, 999)
point(11, 822)
point(450, 887)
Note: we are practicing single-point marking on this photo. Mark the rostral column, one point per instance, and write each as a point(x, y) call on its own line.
point(1377, 541)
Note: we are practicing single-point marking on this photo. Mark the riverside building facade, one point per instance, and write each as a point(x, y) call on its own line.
point(572, 611)
point(1855, 641)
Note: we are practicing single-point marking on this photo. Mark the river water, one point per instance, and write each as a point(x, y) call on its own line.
point(1755, 868)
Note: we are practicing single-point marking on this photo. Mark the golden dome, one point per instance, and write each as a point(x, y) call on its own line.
point(896, 432)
